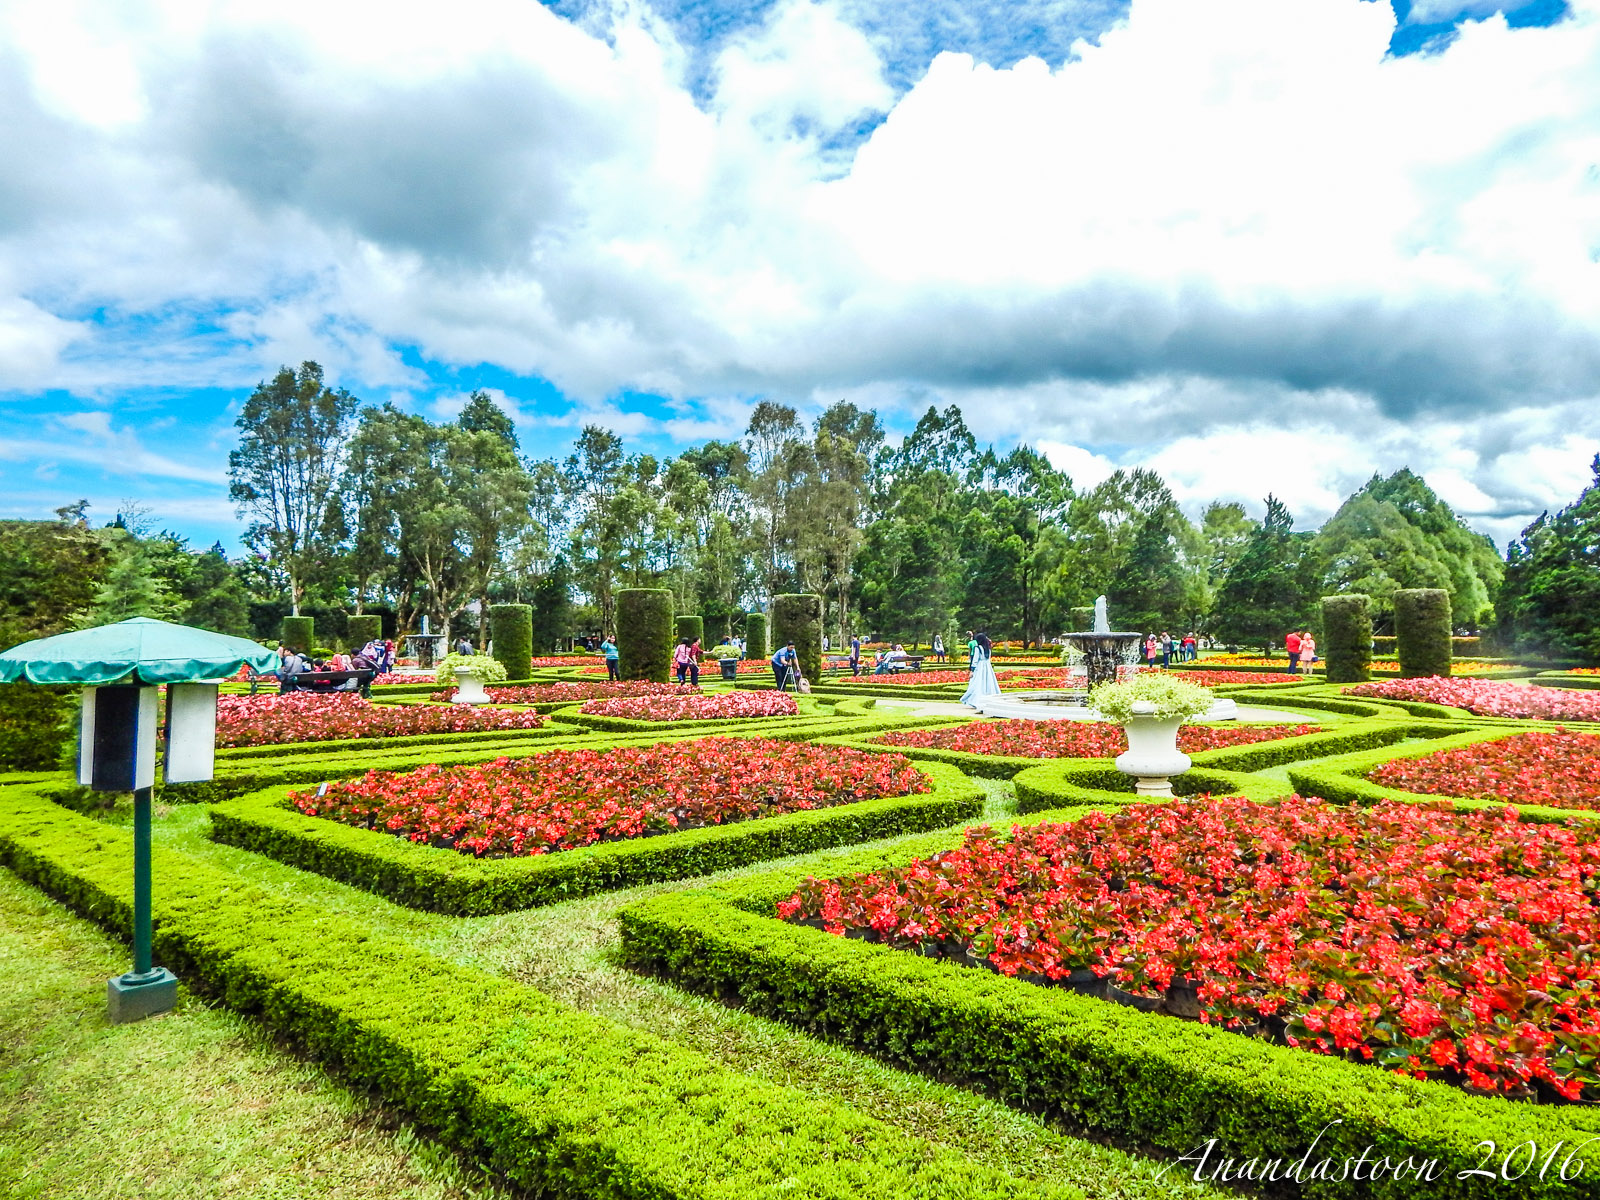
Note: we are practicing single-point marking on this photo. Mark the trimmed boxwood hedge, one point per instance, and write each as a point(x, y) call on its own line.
point(644, 634)
point(511, 635)
point(447, 881)
point(38, 726)
point(1148, 1078)
point(693, 628)
point(1347, 638)
point(797, 618)
point(359, 629)
point(755, 635)
point(555, 1101)
point(300, 633)
point(1422, 631)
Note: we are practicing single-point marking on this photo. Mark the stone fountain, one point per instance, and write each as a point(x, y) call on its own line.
point(1103, 651)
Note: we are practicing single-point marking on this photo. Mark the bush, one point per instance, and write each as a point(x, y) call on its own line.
point(755, 635)
point(1422, 632)
point(359, 630)
point(490, 670)
point(511, 632)
point(38, 726)
point(1347, 637)
point(1081, 620)
point(644, 633)
point(693, 628)
point(797, 618)
point(300, 633)
point(1165, 696)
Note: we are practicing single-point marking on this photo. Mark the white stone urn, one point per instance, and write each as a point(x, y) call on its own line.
point(1152, 756)
point(469, 688)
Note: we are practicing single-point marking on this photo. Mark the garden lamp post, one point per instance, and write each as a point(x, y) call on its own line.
point(120, 667)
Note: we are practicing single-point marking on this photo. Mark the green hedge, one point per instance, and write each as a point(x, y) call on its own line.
point(511, 633)
point(1347, 638)
point(1422, 631)
point(446, 881)
point(693, 628)
point(1463, 647)
point(1140, 1077)
point(361, 629)
point(38, 726)
point(644, 634)
point(797, 618)
point(300, 633)
point(1559, 679)
point(755, 636)
point(555, 1101)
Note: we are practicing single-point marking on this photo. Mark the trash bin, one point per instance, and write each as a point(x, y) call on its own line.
point(730, 668)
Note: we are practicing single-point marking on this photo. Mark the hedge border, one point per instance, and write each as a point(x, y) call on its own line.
point(1138, 1077)
point(445, 881)
point(554, 1100)
point(644, 634)
point(1422, 632)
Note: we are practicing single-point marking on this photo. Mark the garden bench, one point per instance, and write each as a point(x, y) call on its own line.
point(330, 681)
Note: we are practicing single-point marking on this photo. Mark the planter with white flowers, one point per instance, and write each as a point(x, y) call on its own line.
point(1151, 707)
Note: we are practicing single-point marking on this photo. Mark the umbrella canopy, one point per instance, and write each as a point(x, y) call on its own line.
point(138, 650)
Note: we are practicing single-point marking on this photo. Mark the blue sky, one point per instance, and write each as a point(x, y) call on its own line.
point(1256, 245)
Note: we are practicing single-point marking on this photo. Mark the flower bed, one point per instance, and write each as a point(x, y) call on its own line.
point(916, 678)
point(1437, 944)
point(269, 720)
point(1076, 739)
point(1232, 678)
point(730, 705)
point(567, 660)
point(571, 798)
point(575, 693)
point(1486, 698)
point(1558, 770)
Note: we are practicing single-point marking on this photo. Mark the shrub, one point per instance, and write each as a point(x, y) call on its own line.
point(299, 633)
point(1166, 697)
point(644, 633)
point(1422, 631)
point(361, 629)
point(511, 632)
point(797, 618)
point(490, 670)
point(1347, 637)
point(693, 628)
point(37, 726)
point(755, 635)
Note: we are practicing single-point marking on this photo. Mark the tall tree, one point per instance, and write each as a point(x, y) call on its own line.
point(494, 490)
point(284, 475)
point(1551, 595)
point(594, 477)
point(1273, 586)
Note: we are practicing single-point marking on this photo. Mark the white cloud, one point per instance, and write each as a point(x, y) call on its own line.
point(1084, 467)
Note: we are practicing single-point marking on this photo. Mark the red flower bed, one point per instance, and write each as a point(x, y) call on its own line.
point(570, 798)
point(573, 693)
point(567, 660)
point(1039, 677)
point(1558, 769)
point(918, 678)
point(1487, 698)
point(1077, 739)
point(309, 717)
point(1227, 678)
point(731, 705)
point(1438, 944)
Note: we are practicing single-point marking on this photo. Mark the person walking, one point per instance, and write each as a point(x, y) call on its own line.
point(696, 656)
point(1166, 650)
point(682, 656)
point(972, 652)
point(855, 654)
point(613, 664)
point(785, 663)
point(1291, 643)
point(938, 648)
point(1308, 651)
point(1150, 650)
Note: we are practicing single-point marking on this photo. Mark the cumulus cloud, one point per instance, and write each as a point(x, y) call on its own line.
point(1212, 220)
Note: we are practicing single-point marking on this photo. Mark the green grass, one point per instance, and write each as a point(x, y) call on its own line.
point(190, 1105)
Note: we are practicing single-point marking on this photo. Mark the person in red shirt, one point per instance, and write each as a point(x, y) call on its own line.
point(1292, 645)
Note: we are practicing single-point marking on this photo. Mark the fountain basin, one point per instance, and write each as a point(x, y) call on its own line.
point(1059, 705)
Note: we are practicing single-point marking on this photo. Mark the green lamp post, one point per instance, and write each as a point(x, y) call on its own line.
point(120, 667)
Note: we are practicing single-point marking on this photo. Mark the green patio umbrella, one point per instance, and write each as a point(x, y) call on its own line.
point(138, 650)
point(122, 659)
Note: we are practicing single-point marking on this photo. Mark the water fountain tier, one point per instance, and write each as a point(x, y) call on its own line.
point(1103, 651)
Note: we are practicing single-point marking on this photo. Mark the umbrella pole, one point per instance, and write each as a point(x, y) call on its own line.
point(146, 990)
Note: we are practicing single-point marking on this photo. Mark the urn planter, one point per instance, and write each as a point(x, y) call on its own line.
point(1152, 756)
point(469, 688)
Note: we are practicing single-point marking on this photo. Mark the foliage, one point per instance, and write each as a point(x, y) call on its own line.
point(266, 720)
point(38, 726)
point(1272, 586)
point(1347, 638)
point(1422, 631)
point(361, 629)
point(49, 571)
point(798, 619)
point(1552, 581)
point(511, 635)
point(1486, 698)
point(755, 636)
point(1556, 770)
point(299, 634)
point(693, 628)
point(1136, 899)
point(1076, 739)
point(1150, 693)
point(564, 799)
point(679, 707)
point(644, 633)
point(486, 668)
